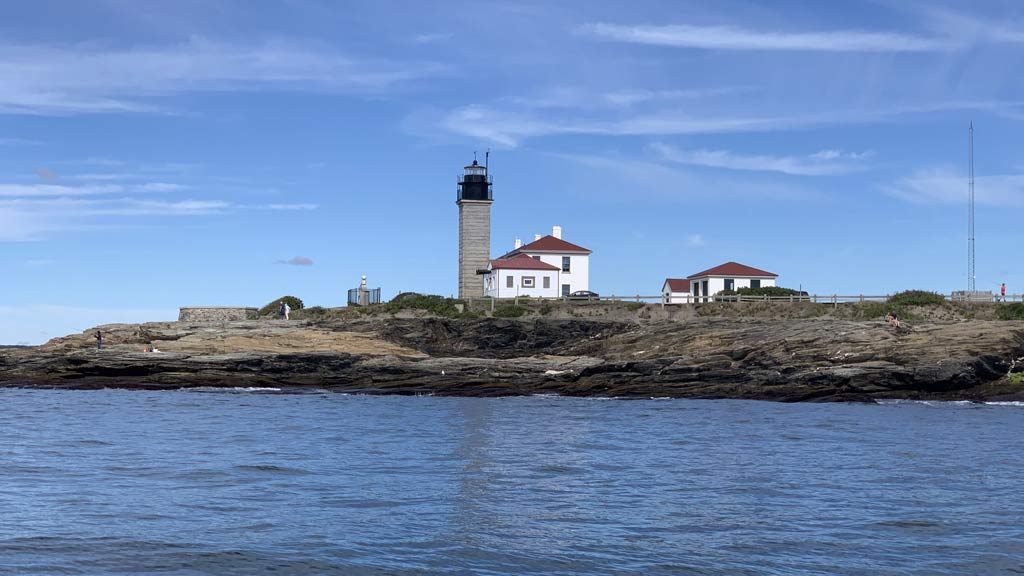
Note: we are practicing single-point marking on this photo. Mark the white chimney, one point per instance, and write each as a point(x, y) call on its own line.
point(536, 237)
point(519, 243)
point(556, 231)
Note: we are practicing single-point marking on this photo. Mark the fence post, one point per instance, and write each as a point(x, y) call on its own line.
point(861, 298)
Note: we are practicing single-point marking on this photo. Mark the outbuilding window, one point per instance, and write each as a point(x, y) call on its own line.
point(547, 281)
point(755, 283)
point(529, 281)
point(730, 284)
point(508, 281)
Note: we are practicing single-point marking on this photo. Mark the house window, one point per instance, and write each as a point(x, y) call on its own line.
point(730, 284)
point(755, 283)
point(508, 281)
point(565, 263)
point(547, 282)
point(565, 289)
point(529, 282)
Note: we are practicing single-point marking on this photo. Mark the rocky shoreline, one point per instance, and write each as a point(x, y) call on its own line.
point(788, 359)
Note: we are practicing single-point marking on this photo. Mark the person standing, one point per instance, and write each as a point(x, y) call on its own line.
point(1002, 291)
point(280, 310)
point(99, 340)
point(287, 310)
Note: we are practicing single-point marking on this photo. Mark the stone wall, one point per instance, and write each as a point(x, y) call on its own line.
point(216, 313)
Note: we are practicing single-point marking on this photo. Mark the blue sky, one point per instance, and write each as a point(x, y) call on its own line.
point(161, 154)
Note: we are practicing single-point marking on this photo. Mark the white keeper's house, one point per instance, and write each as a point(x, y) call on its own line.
point(728, 276)
point(548, 267)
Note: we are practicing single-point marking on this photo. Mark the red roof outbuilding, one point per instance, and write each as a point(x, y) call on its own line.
point(734, 269)
point(678, 284)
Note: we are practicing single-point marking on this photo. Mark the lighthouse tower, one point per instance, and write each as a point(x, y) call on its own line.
point(474, 202)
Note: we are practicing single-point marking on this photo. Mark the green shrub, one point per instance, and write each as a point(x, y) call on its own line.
point(1013, 311)
point(876, 310)
point(272, 308)
point(917, 298)
point(437, 305)
point(766, 291)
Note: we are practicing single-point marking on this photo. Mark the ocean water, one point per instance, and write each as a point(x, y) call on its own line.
point(252, 482)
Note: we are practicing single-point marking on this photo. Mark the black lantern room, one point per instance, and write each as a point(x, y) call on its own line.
point(475, 183)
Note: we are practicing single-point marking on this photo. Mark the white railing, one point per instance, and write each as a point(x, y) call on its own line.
point(662, 299)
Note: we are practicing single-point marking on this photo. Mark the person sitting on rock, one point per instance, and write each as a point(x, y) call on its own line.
point(893, 319)
point(99, 340)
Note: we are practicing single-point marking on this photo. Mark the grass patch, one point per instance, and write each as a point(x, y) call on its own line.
point(1013, 311)
point(509, 311)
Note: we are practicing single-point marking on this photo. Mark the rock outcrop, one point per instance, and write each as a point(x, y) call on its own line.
point(699, 357)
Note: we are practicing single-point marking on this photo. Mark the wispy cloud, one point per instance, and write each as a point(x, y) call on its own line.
point(39, 79)
point(289, 207)
point(297, 261)
point(695, 240)
point(509, 127)
point(736, 38)
point(946, 185)
point(432, 38)
point(54, 190)
point(822, 163)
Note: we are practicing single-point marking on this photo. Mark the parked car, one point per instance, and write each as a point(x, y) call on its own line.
point(584, 295)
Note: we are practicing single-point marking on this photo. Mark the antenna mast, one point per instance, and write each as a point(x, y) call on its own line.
point(970, 216)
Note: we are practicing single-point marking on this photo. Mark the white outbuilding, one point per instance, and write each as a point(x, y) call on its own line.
point(520, 275)
point(676, 291)
point(728, 276)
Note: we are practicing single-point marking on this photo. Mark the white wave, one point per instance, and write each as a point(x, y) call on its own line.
point(1005, 403)
point(230, 390)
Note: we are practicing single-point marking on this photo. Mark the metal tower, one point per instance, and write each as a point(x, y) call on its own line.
point(970, 216)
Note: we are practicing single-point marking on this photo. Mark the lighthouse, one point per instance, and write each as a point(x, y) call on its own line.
point(474, 201)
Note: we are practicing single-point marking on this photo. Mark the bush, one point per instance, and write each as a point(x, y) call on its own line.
point(766, 291)
point(1010, 312)
point(272, 308)
point(917, 298)
point(437, 305)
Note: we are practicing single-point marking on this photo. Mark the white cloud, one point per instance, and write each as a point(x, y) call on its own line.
point(825, 162)
point(695, 240)
point(945, 185)
point(735, 38)
point(36, 79)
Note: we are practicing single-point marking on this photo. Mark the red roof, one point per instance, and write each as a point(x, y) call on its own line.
point(550, 244)
point(521, 262)
point(734, 269)
point(678, 284)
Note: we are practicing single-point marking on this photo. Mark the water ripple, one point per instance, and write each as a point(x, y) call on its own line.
point(215, 481)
